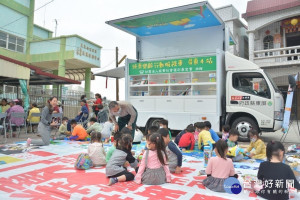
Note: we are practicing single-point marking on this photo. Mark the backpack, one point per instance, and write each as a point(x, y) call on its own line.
point(83, 161)
point(177, 139)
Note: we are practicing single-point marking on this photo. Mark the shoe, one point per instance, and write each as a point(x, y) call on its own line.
point(28, 142)
point(111, 181)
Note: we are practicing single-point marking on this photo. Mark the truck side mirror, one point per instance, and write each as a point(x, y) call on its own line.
point(292, 81)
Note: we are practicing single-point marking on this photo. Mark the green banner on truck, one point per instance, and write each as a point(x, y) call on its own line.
point(195, 64)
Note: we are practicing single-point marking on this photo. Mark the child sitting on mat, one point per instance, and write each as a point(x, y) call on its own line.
point(257, 148)
point(96, 150)
point(219, 168)
point(63, 131)
point(232, 145)
point(225, 132)
point(115, 168)
point(154, 168)
point(110, 151)
point(274, 171)
point(173, 152)
point(187, 141)
point(204, 137)
point(78, 133)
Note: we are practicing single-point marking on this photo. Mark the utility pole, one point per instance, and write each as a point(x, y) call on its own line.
point(117, 79)
point(55, 26)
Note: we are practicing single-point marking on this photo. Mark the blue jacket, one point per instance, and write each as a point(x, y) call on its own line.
point(84, 110)
point(214, 135)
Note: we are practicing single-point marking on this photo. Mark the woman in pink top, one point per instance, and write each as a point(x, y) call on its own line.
point(154, 168)
point(219, 168)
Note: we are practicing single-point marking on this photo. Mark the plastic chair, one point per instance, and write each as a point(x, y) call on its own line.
point(3, 126)
point(18, 115)
point(34, 123)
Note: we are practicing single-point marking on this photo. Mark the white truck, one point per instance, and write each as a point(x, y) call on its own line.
point(183, 73)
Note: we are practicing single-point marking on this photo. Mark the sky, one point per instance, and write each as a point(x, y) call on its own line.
point(87, 18)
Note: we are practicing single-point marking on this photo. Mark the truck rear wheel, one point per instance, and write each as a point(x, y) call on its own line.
point(152, 122)
point(244, 125)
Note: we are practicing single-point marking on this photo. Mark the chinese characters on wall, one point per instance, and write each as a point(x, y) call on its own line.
point(87, 51)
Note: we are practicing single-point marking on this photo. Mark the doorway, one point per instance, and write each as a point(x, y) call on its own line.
point(293, 39)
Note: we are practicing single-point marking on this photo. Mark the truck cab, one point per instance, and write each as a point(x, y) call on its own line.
point(253, 101)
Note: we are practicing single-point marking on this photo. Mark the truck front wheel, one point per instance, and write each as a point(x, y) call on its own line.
point(244, 125)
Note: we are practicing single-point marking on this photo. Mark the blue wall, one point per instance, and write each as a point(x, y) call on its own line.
point(83, 50)
point(48, 46)
point(39, 32)
point(25, 3)
point(18, 28)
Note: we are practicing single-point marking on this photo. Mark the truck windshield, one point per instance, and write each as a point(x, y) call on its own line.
point(272, 82)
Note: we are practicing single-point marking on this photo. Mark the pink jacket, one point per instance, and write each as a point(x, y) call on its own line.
point(153, 163)
point(15, 109)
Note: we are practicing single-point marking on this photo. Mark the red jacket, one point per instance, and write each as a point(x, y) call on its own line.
point(186, 140)
point(98, 101)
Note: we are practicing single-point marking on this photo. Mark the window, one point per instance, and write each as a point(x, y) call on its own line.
point(251, 83)
point(268, 44)
point(11, 42)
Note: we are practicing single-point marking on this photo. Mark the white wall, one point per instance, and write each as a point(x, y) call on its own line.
point(181, 44)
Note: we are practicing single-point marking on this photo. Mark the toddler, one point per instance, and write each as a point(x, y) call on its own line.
point(154, 169)
point(79, 133)
point(225, 132)
point(187, 141)
point(218, 168)
point(257, 148)
point(96, 150)
point(164, 124)
point(63, 131)
point(274, 170)
point(213, 134)
point(115, 170)
point(232, 145)
point(107, 129)
point(204, 137)
point(173, 152)
point(110, 151)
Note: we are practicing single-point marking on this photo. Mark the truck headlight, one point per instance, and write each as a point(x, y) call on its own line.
point(278, 115)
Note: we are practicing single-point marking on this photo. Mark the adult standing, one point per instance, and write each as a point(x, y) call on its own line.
point(127, 115)
point(46, 124)
point(97, 103)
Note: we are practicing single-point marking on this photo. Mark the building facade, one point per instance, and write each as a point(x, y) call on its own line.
point(274, 37)
point(238, 36)
point(68, 56)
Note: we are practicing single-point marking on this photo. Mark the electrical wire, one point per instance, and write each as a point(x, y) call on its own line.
point(25, 16)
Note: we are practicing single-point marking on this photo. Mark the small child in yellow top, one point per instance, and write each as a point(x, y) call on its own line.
point(257, 144)
point(204, 136)
point(34, 109)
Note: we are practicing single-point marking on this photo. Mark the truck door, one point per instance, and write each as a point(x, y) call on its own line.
point(249, 92)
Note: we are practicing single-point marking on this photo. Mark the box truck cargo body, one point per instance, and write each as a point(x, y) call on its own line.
point(183, 73)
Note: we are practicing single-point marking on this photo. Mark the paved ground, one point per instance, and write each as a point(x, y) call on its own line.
point(292, 136)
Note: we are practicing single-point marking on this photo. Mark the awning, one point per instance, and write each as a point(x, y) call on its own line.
point(37, 76)
point(12, 70)
point(77, 74)
point(113, 73)
point(193, 16)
